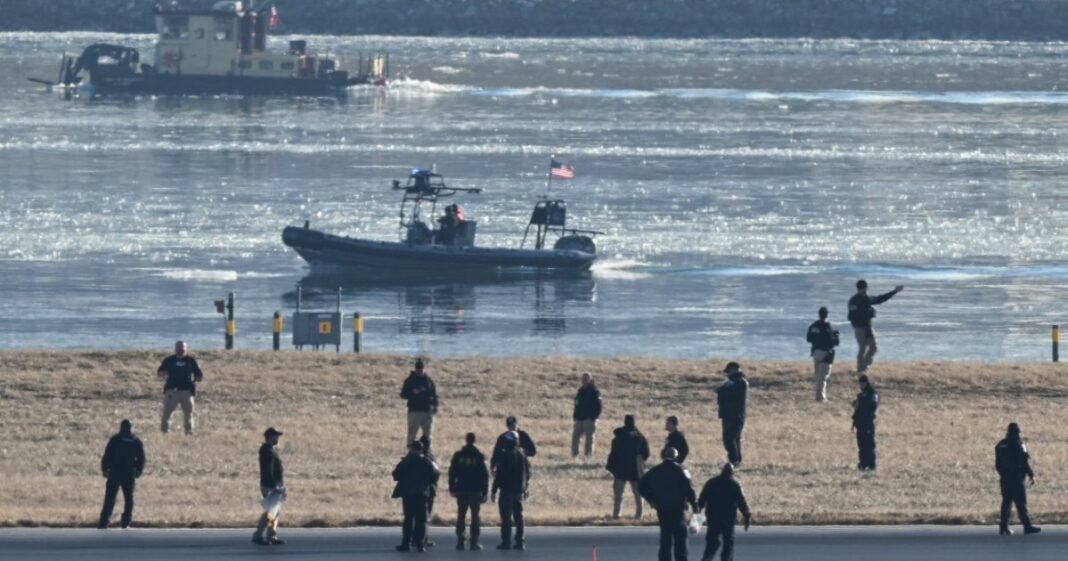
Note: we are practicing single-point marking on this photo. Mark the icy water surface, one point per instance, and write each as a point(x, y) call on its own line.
point(742, 184)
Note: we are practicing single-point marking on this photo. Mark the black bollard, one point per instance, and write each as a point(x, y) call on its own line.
point(1056, 343)
point(277, 330)
point(231, 327)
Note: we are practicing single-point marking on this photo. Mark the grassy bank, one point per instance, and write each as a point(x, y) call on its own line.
point(344, 426)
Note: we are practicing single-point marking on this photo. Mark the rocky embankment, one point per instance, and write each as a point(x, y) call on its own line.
point(919, 19)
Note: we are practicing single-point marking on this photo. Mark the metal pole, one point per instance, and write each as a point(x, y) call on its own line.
point(231, 327)
point(1056, 343)
point(357, 332)
point(277, 330)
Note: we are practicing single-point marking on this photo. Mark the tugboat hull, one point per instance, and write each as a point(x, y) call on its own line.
point(325, 250)
point(185, 84)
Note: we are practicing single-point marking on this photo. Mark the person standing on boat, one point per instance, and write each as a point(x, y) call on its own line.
point(422, 398)
point(587, 410)
point(182, 374)
point(449, 225)
point(861, 313)
point(824, 338)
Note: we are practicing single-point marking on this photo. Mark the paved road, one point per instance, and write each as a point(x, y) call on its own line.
point(555, 544)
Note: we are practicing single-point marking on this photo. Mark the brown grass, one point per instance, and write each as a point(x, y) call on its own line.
point(344, 427)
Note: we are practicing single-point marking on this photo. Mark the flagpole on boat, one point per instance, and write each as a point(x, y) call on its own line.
point(552, 158)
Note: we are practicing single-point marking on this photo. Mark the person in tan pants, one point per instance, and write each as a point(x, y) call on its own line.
point(587, 410)
point(182, 374)
point(824, 338)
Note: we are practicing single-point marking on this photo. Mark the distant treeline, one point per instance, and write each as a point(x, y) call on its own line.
point(920, 19)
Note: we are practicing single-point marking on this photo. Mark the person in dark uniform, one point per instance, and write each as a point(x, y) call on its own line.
point(722, 498)
point(676, 439)
point(448, 225)
point(272, 480)
point(587, 410)
point(122, 464)
point(732, 398)
point(668, 489)
point(864, 408)
point(1013, 464)
point(626, 463)
point(511, 479)
point(425, 441)
point(416, 477)
point(824, 338)
point(861, 312)
point(469, 483)
point(182, 373)
point(526, 443)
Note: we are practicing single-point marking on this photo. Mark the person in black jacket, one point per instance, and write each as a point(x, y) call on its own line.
point(668, 489)
point(722, 498)
point(824, 338)
point(511, 480)
point(861, 312)
point(180, 389)
point(676, 439)
point(864, 408)
point(526, 443)
point(732, 398)
point(422, 398)
point(1013, 465)
point(122, 464)
point(416, 477)
point(587, 410)
point(626, 463)
point(272, 480)
point(469, 483)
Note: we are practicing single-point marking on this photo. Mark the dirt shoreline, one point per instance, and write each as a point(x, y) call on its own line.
point(344, 425)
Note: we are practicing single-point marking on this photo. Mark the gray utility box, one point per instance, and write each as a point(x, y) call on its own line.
point(317, 329)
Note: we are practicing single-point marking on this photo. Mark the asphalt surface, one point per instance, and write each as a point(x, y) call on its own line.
point(555, 544)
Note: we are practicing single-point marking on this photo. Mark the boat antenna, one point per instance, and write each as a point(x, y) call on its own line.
point(549, 186)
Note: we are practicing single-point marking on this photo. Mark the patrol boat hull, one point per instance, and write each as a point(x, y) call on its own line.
point(320, 249)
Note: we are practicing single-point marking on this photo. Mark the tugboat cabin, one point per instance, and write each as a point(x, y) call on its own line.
point(231, 40)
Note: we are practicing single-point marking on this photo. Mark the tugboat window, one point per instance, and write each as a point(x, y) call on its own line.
point(286, 66)
point(176, 27)
point(246, 64)
point(266, 65)
point(224, 29)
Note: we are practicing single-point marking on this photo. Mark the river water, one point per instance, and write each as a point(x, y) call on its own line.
point(741, 185)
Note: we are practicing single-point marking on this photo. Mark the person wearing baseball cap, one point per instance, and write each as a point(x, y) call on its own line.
point(272, 480)
point(861, 313)
point(732, 398)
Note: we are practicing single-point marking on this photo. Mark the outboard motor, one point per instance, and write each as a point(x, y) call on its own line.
point(576, 242)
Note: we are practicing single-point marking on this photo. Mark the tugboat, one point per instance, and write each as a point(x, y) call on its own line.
point(449, 249)
point(216, 51)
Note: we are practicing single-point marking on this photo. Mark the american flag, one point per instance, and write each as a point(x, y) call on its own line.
point(561, 170)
